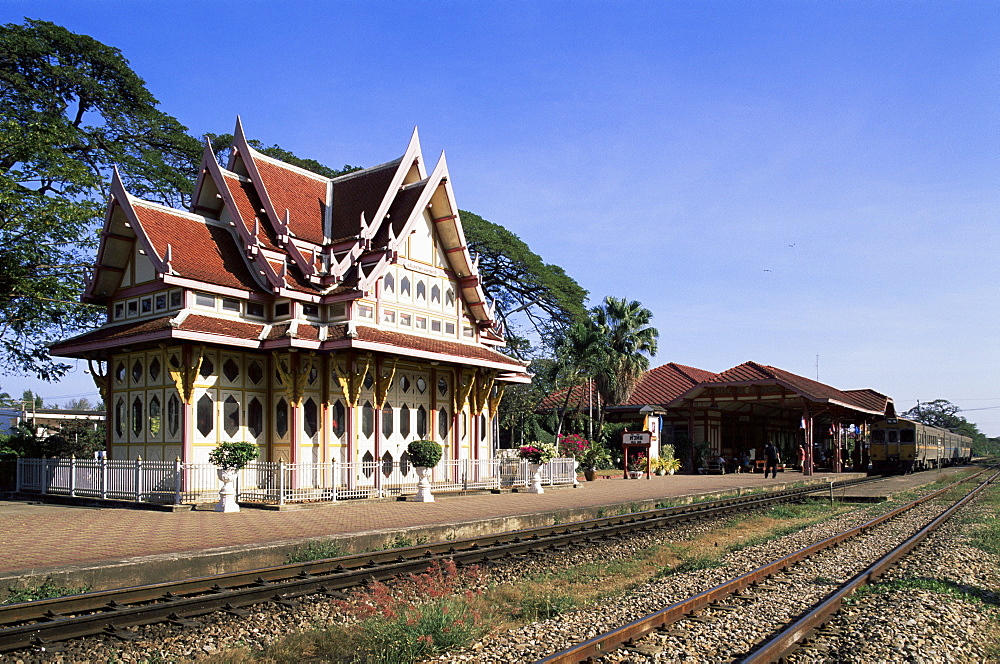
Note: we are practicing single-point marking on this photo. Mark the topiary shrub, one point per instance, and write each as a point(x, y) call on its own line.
point(424, 453)
point(233, 456)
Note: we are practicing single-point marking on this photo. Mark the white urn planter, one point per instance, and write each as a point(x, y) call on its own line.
point(227, 494)
point(536, 478)
point(635, 474)
point(423, 485)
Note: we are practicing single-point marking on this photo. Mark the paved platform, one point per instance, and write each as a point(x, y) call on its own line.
point(106, 548)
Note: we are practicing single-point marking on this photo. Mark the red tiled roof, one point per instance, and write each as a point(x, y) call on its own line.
point(811, 389)
point(665, 383)
point(199, 251)
point(359, 192)
point(115, 332)
point(307, 332)
point(439, 346)
point(249, 207)
point(869, 399)
point(302, 195)
point(223, 326)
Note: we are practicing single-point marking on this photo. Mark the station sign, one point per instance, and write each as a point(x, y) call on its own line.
point(637, 438)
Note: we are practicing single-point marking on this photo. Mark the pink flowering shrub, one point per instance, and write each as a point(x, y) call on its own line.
point(637, 462)
point(572, 445)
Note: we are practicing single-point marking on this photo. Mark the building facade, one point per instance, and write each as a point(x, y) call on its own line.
point(320, 319)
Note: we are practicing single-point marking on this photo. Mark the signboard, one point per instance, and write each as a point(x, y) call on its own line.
point(636, 438)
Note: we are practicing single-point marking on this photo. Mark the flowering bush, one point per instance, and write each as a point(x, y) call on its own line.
point(538, 453)
point(572, 445)
point(637, 462)
point(413, 618)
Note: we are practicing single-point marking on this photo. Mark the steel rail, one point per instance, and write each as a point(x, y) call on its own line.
point(46, 621)
point(612, 639)
point(791, 638)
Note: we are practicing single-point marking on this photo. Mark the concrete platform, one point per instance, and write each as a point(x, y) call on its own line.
point(108, 548)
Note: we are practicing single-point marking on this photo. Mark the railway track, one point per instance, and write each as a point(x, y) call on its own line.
point(45, 622)
point(662, 634)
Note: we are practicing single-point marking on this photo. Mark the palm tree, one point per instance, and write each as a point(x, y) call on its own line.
point(579, 356)
point(628, 341)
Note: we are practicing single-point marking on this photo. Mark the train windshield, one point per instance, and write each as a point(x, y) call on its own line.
point(893, 435)
point(906, 435)
point(878, 436)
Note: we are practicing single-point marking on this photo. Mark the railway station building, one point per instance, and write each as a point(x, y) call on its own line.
point(738, 411)
point(318, 318)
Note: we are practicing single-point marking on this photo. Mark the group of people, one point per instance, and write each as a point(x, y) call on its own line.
point(743, 464)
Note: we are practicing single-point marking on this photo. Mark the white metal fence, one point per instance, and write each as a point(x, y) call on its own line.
point(270, 482)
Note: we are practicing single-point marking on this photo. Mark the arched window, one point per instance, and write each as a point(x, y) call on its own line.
point(444, 424)
point(310, 413)
point(422, 422)
point(281, 417)
point(388, 426)
point(173, 415)
point(339, 418)
point(231, 416)
point(404, 421)
point(390, 284)
point(367, 419)
point(436, 294)
point(404, 286)
point(255, 417)
point(421, 290)
point(205, 415)
point(120, 417)
point(137, 416)
point(153, 413)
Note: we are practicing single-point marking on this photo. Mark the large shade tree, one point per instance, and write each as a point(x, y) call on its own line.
point(71, 110)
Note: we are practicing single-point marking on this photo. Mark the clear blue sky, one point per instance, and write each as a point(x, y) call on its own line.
point(776, 181)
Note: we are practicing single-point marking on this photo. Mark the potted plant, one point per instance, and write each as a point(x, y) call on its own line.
point(537, 454)
point(666, 463)
point(424, 454)
point(230, 458)
point(594, 457)
point(636, 465)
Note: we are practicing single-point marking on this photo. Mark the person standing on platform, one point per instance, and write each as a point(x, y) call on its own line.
point(771, 459)
point(802, 459)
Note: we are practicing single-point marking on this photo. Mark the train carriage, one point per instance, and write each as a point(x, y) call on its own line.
point(901, 445)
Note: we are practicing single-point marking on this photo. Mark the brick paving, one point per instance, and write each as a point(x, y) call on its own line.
point(36, 536)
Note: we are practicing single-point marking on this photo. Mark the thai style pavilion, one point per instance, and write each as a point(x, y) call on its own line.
point(739, 410)
point(320, 319)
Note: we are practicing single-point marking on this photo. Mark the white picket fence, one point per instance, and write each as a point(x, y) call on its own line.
point(275, 483)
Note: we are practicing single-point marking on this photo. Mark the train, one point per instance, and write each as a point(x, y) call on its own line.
point(899, 445)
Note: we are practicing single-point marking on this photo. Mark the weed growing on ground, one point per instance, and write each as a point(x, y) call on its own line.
point(401, 542)
point(539, 604)
point(406, 621)
point(316, 550)
point(45, 590)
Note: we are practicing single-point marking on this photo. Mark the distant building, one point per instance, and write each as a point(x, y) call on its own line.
point(46, 421)
point(320, 319)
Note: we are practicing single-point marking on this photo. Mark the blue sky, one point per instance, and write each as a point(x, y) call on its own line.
point(776, 181)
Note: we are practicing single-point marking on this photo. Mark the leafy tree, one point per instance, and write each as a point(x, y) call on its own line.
point(522, 283)
point(71, 110)
point(580, 355)
point(222, 142)
point(628, 340)
point(28, 398)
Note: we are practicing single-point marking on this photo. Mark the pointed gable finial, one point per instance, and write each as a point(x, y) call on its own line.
point(238, 131)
